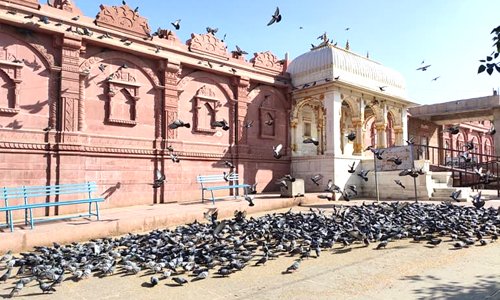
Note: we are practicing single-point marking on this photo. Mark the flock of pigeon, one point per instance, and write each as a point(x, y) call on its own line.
point(192, 252)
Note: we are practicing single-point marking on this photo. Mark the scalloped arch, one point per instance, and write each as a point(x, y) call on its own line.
point(265, 88)
point(101, 56)
point(32, 43)
point(298, 107)
point(220, 82)
point(354, 107)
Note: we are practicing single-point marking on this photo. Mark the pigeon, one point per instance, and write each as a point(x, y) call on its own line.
point(18, 61)
point(253, 189)
point(201, 275)
point(263, 260)
point(316, 178)
point(154, 281)
point(282, 183)
point(6, 256)
point(377, 152)
point(395, 160)
point(325, 196)
point(44, 20)
point(160, 179)
point(382, 244)
point(295, 266)
point(212, 31)
point(424, 68)
point(269, 122)
point(45, 287)
point(452, 129)
point(311, 141)
point(410, 141)
point(484, 242)
point(455, 195)
point(459, 245)
point(331, 187)
point(352, 170)
point(277, 150)
point(353, 188)
point(469, 145)
point(477, 201)
point(222, 124)
point(174, 158)
point(75, 18)
point(228, 164)
point(492, 130)
point(465, 156)
point(248, 125)
point(239, 51)
point(17, 288)
point(102, 67)
point(180, 280)
point(6, 275)
point(178, 123)
point(351, 136)
point(398, 182)
point(249, 199)
point(435, 78)
point(363, 174)
point(435, 242)
point(276, 17)
point(176, 24)
point(347, 194)
point(12, 12)
point(382, 88)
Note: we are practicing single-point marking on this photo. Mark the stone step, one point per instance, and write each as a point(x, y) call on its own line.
point(446, 199)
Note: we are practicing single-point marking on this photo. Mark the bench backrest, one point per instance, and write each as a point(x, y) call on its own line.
point(203, 179)
point(26, 192)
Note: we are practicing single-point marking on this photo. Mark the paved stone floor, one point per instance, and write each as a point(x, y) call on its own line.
point(405, 270)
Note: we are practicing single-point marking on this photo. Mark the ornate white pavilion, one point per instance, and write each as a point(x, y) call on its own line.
point(336, 92)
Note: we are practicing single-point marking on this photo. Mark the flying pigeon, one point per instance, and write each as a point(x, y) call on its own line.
point(248, 125)
point(363, 174)
point(316, 178)
point(276, 17)
point(465, 156)
point(469, 145)
point(377, 152)
point(398, 182)
point(222, 124)
point(492, 130)
point(160, 179)
point(228, 164)
point(253, 189)
point(249, 199)
point(455, 195)
point(395, 160)
point(269, 122)
point(325, 196)
point(174, 158)
point(212, 31)
point(239, 51)
point(331, 187)
point(311, 140)
point(277, 150)
point(178, 123)
point(424, 68)
point(452, 129)
point(477, 201)
point(177, 24)
point(282, 183)
point(351, 168)
point(351, 136)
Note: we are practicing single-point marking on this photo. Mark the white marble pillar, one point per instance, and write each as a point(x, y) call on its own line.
point(337, 134)
point(496, 123)
point(328, 103)
point(404, 119)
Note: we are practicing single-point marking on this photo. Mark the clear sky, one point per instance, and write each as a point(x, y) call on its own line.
point(451, 35)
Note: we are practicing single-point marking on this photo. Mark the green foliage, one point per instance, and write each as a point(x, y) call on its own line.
point(489, 65)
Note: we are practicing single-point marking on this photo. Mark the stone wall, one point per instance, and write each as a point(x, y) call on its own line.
point(108, 103)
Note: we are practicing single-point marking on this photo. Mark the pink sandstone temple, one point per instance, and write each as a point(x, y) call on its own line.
point(90, 99)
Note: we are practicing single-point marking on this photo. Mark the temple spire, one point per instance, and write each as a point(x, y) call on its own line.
point(347, 45)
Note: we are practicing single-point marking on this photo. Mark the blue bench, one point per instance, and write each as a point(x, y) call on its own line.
point(27, 192)
point(232, 181)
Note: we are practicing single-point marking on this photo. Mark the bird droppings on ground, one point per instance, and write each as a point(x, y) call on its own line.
point(219, 249)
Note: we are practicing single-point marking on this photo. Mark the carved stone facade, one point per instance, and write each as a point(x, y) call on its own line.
point(80, 111)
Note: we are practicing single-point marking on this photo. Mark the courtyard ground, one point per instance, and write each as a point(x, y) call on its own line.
point(405, 270)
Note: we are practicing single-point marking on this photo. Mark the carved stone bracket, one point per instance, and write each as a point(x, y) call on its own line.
point(13, 71)
point(267, 61)
point(207, 44)
point(28, 3)
point(123, 19)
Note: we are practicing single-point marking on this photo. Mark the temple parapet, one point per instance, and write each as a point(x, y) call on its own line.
point(207, 44)
point(123, 19)
point(267, 61)
point(28, 3)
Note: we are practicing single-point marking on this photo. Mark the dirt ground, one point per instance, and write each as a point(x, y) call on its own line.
point(405, 270)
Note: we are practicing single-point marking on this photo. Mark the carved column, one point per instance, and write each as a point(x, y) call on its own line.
point(358, 147)
point(496, 124)
point(381, 135)
point(172, 70)
point(398, 133)
point(293, 124)
point(241, 109)
point(70, 78)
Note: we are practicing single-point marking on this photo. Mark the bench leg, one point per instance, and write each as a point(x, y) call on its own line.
point(11, 221)
point(202, 195)
point(213, 198)
point(90, 209)
point(26, 217)
point(31, 218)
point(97, 211)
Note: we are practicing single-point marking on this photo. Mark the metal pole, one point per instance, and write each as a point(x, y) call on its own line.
point(376, 177)
point(414, 178)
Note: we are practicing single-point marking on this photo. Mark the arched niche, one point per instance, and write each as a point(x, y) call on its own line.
point(308, 119)
point(346, 127)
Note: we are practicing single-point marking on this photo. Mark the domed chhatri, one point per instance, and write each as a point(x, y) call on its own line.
point(329, 61)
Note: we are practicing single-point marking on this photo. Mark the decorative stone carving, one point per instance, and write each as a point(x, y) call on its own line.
point(171, 115)
point(65, 5)
point(13, 72)
point(221, 82)
point(205, 113)
point(98, 58)
point(207, 44)
point(28, 3)
point(123, 19)
point(267, 61)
